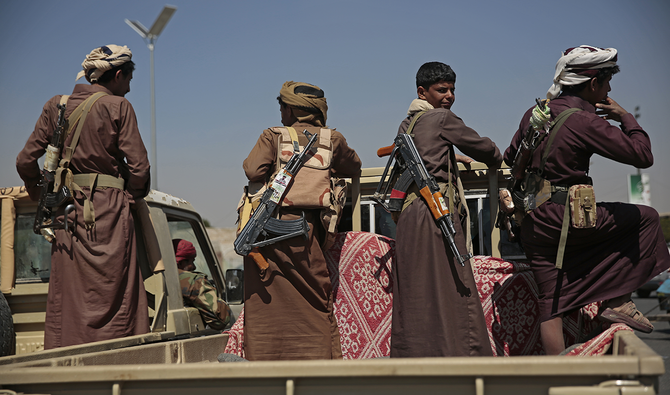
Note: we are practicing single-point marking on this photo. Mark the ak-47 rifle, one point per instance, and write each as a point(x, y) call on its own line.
point(51, 199)
point(262, 222)
point(512, 198)
point(410, 168)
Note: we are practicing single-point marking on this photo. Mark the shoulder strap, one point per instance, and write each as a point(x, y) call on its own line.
point(324, 137)
point(556, 124)
point(411, 125)
point(78, 117)
point(554, 127)
point(294, 138)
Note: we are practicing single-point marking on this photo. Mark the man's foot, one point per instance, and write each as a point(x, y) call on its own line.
point(627, 314)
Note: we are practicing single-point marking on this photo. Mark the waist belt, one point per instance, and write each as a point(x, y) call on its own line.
point(99, 180)
point(559, 193)
point(94, 181)
point(559, 197)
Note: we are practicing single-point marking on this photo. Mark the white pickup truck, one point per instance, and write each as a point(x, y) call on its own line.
point(180, 354)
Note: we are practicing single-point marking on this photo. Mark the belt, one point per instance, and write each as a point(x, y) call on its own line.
point(559, 193)
point(94, 181)
point(559, 197)
point(100, 181)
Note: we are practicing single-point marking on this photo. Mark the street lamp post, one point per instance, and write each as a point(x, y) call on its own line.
point(150, 36)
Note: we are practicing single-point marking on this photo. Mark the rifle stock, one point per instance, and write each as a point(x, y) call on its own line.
point(256, 255)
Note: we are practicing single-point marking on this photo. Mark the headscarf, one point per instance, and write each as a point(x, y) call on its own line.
point(580, 64)
point(183, 249)
point(418, 105)
point(102, 59)
point(308, 102)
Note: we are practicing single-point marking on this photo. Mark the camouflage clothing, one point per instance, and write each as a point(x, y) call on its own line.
point(199, 292)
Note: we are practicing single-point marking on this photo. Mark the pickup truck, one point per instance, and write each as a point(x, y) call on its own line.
point(180, 354)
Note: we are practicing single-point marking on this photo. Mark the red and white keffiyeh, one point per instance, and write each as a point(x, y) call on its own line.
point(580, 64)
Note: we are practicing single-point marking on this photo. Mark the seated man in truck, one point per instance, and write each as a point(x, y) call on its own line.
point(197, 290)
point(610, 256)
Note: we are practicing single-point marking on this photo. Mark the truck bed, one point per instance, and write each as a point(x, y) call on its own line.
point(178, 366)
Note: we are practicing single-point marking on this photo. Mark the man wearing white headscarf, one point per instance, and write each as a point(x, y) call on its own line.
point(626, 247)
point(95, 288)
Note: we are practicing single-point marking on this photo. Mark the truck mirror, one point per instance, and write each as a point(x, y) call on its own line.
point(235, 286)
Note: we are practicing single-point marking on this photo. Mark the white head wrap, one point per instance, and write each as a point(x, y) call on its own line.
point(102, 59)
point(580, 64)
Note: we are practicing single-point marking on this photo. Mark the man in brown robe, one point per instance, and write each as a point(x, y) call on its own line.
point(436, 306)
point(288, 308)
point(95, 289)
point(626, 247)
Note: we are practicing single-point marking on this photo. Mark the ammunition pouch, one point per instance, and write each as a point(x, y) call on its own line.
point(538, 191)
point(583, 206)
point(331, 215)
point(251, 197)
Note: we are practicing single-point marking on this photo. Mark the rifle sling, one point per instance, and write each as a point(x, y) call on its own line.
point(91, 180)
point(78, 117)
point(555, 126)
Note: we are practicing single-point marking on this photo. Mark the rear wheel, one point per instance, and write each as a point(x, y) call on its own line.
point(7, 337)
point(643, 293)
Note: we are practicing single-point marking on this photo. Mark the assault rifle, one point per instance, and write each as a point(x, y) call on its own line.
point(50, 200)
point(409, 167)
point(512, 197)
point(262, 222)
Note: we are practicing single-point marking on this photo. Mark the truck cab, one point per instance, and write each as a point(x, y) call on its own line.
point(159, 218)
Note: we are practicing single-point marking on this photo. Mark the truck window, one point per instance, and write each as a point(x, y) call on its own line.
point(375, 219)
point(32, 252)
point(480, 224)
point(182, 229)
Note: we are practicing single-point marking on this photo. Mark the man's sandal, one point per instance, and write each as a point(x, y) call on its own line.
point(627, 314)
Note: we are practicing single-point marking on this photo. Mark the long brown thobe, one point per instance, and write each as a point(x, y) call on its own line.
point(624, 250)
point(288, 309)
point(436, 306)
point(95, 288)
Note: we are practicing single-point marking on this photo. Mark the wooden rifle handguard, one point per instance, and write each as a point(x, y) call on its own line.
point(385, 151)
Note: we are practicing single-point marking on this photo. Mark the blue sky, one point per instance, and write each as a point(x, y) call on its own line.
point(219, 67)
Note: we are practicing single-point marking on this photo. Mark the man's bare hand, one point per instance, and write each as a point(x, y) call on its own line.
point(463, 159)
point(609, 109)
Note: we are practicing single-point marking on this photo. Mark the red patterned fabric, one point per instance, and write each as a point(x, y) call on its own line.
point(600, 344)
point(236, 337)
point(360, 271)
point(509, 298)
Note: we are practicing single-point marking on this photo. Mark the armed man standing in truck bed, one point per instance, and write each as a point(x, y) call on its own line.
point(288, 307)
point(95, 289)
point(436, 306)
